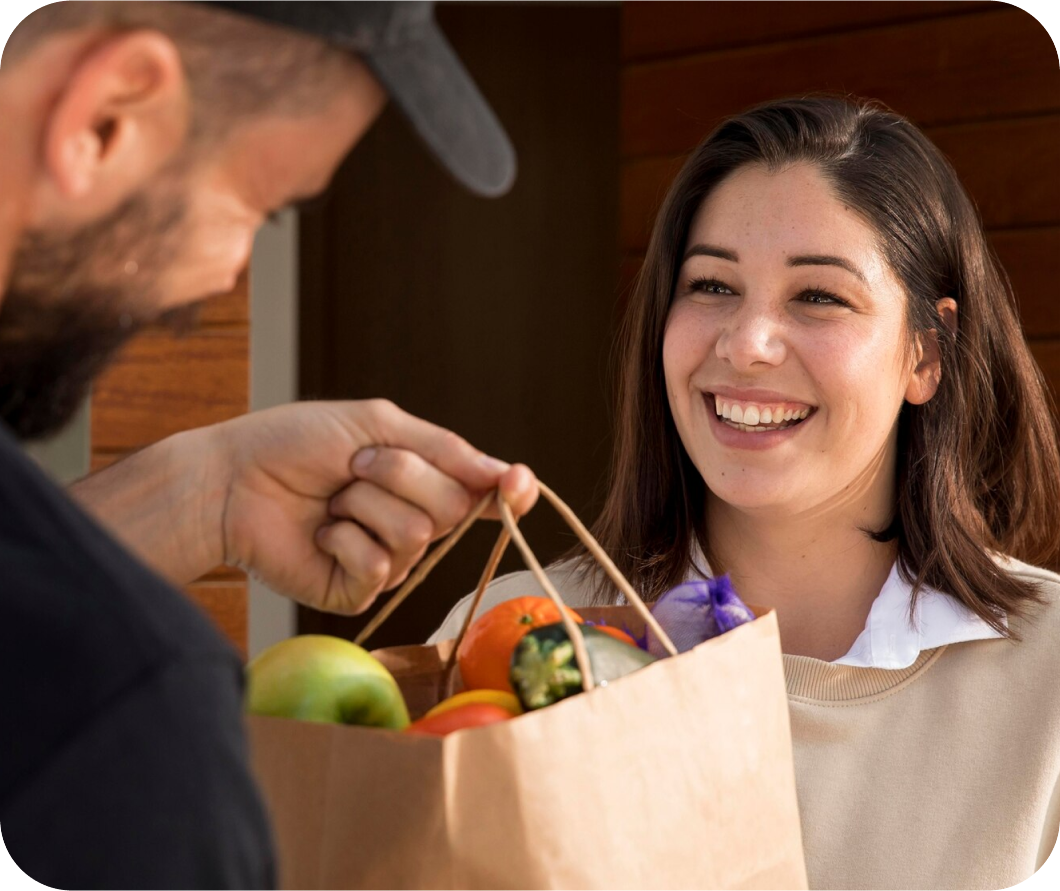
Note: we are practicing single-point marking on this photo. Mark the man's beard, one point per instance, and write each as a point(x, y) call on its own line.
point(74, 299)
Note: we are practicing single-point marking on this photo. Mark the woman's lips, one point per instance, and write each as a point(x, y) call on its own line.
point(753, 426)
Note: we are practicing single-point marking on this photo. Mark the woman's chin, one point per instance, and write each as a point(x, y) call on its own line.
point(753, 499)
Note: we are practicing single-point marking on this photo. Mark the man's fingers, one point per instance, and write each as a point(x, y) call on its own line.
point(412, 479)
point(403, 529)
point(365, 564)
point(388, 425)
point(519, 486)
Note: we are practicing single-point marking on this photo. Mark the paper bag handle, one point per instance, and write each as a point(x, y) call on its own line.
point(511, 532)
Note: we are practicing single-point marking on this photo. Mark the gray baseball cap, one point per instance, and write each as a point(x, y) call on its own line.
point(403, 46)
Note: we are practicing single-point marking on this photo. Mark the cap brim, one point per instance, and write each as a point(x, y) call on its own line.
point(434, 91)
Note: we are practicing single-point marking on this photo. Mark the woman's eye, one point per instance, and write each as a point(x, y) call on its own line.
point(708, 286)
point(822, 297)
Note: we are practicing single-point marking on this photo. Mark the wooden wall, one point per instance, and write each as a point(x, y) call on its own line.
point(163, 383)
point(981, 78)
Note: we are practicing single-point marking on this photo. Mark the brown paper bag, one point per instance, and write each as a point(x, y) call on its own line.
point(679, 775)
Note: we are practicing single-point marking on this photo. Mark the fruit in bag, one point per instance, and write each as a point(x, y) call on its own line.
point(463, 717)
point(505, 700)
point(485, 653)
point(315, 677)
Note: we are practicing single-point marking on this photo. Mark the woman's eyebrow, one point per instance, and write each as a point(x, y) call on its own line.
point(709, 250)
point(827, 260)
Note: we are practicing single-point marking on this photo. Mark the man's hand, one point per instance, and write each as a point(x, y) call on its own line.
point(330, 503)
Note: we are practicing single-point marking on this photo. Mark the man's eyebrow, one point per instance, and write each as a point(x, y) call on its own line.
point(827, 260)
point(710, 250)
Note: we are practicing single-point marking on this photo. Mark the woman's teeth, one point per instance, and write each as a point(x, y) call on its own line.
point(759, 418)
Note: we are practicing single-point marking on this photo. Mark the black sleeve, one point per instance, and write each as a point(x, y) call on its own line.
point(153, 793)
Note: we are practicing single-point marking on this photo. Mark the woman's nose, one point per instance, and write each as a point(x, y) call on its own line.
point(751, 338)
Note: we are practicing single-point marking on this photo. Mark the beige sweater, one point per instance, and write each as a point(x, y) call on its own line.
point(945, 774)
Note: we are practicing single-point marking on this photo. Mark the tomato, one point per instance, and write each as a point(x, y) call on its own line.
point(475, 714)
point(617, 633)
point(495, 697)
point(485, 654)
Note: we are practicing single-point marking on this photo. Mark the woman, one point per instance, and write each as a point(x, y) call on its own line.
point(826, 394)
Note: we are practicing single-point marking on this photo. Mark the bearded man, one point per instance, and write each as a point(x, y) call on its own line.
point(142, 146)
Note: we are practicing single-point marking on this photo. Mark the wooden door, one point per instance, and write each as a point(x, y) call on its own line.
point(493, 318)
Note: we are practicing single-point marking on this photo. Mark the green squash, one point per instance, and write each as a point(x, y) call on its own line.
point(544, 670)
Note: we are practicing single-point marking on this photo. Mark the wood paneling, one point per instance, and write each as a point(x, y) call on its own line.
point(1010, 167)
point(957, 69)
point(1032, 259)
point(649, 31)
point(101, 460)
point(160, 385)
point(226, 604)
point(232, 308)
point(642, 189)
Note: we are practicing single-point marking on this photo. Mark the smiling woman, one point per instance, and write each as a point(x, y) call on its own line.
point(821, 255)
point(824, 392)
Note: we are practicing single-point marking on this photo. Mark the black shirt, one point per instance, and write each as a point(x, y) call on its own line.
point(123, 761)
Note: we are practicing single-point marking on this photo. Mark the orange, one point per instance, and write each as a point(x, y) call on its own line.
point(485, 654)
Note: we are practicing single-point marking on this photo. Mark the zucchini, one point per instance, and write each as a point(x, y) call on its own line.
point(544, 669)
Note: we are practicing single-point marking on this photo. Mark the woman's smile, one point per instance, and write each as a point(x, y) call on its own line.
point(749, 424)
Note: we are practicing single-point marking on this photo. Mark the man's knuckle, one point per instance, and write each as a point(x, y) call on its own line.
point(399, 463)
point(376, 570)
point(418, 531)
point(450, 442)
point(461, 505)
point(385, 409)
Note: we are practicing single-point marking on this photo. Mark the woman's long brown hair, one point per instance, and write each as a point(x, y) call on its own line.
point(978, 465)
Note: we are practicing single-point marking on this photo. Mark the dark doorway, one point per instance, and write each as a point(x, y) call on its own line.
point(493, 318)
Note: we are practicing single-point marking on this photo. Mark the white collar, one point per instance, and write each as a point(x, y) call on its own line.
point(890, 639)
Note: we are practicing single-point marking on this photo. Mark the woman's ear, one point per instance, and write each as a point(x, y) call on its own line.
point(123, 113)
point(928, 372)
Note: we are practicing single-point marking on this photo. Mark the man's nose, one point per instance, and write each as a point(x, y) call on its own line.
point(752, 338)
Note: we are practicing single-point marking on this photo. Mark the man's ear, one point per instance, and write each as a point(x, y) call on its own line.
point(122, 114)
point(928, 372)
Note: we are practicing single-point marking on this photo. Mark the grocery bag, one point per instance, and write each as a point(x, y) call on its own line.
point(679, 775)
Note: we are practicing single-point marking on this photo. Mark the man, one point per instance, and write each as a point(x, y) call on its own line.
point(142, 145)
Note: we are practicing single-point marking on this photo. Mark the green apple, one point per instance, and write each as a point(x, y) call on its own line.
point(315, 677)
